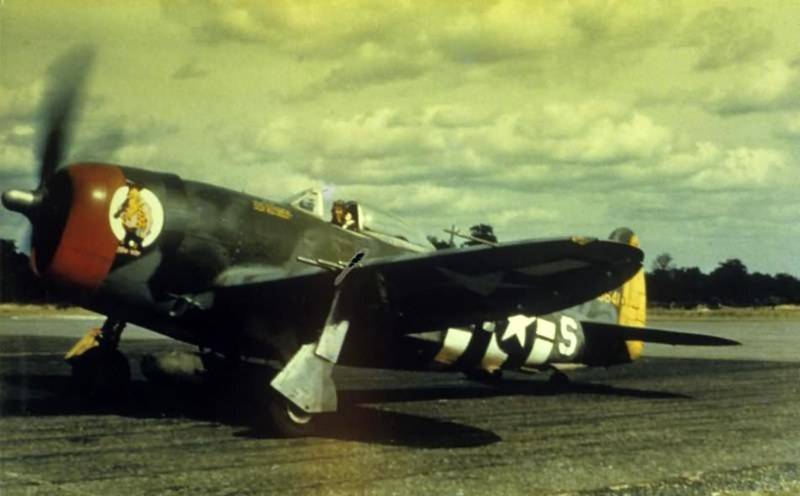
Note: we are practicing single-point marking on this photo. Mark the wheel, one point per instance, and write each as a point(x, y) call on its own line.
point(174, 368)
point(559, 379)
point(101, 374)
point(288, 419)
point(486, 376)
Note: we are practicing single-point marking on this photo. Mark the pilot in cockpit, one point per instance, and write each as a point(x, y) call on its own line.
point(341, 217)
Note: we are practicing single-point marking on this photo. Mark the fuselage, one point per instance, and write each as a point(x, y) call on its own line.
point(138, 258)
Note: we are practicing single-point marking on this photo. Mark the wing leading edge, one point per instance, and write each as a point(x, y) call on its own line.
point(460, 286)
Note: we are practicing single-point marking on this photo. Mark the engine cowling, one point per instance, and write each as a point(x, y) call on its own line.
point(73, 240)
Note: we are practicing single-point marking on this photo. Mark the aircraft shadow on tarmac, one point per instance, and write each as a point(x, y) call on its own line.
point(52, 395)
point(508, 387)
point(361, 418)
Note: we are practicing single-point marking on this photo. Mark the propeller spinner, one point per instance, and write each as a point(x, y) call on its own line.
point(26, 203)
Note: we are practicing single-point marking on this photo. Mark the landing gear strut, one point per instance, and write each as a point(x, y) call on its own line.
point(100, 372)
point(304, 386)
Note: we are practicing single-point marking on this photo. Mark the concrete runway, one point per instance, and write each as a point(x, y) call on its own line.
point(683, 421)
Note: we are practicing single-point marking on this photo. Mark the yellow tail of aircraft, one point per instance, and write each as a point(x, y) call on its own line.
point(615, 325)
point(631, 299)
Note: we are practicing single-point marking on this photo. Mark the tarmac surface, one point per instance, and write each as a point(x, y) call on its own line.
point(681, 421)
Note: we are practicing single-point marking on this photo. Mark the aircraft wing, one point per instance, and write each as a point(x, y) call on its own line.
point(457, 286)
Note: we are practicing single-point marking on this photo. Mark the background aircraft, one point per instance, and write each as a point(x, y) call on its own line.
point(277, 283)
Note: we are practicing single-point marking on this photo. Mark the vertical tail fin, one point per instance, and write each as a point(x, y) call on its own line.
point(630, 299)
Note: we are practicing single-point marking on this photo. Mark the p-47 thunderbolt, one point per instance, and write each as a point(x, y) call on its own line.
point(286, 286)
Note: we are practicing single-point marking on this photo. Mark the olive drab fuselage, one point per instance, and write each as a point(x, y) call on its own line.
point(203, 230)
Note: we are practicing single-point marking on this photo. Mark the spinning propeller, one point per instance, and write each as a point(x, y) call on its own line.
point(66, 78)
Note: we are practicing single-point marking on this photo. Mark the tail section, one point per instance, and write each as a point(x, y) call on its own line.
point(620, 334)
point(630, 300)
point(608, 330)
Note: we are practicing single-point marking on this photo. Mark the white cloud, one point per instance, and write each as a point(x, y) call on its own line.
point(445, 141)
point(615, 141)
point(456, 116)
point(135, 154)
point(279, 136)
point(21, 102)
point(724, 36)
point(772, 84)
point(789, 128)
point(506, 29)
point(16, 158)
point(587, 133)
point(743, 168)
point(312, 29)
point(523, 215)
point(17, 133)
point(374, 64)
point(377, 134)
point(363, 139)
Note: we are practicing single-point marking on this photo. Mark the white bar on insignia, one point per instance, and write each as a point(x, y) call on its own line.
point(543, 343)
point(455, 343)
point(494, 357)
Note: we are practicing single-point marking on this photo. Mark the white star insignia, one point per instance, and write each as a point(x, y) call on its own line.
point(517, 325)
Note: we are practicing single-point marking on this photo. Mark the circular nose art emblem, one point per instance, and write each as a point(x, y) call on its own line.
point(136, 218)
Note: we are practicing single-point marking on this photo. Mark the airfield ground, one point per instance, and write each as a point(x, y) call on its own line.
point(680, 421)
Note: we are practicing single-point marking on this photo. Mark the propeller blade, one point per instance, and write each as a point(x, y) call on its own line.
point(66, 76)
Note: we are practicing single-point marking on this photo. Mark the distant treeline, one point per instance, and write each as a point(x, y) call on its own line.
point(18, 283)
point(730, 284)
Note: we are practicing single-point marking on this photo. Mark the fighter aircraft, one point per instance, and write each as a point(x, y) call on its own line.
point(281, 285)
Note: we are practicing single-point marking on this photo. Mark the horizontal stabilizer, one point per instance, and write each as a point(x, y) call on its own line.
point(650, 335)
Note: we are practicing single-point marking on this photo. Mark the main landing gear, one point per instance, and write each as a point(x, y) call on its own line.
point(100, 372)
point(288, 419)
point(558, 379)
point(492, 377)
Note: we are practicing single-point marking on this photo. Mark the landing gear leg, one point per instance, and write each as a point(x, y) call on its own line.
point(305, 385)
point(100, 372)
point(301, 389)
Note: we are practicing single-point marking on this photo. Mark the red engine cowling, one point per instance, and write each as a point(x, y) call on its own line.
point(73, 243)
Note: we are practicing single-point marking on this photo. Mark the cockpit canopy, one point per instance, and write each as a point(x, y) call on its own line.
point(309, 200)
point(362, 218)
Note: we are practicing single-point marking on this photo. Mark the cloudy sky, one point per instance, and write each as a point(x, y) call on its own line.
point(678, 119)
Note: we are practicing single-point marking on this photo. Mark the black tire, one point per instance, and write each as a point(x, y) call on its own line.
point(480, 375)
point(559, 380)
point(101, 375)
point(288, 420)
